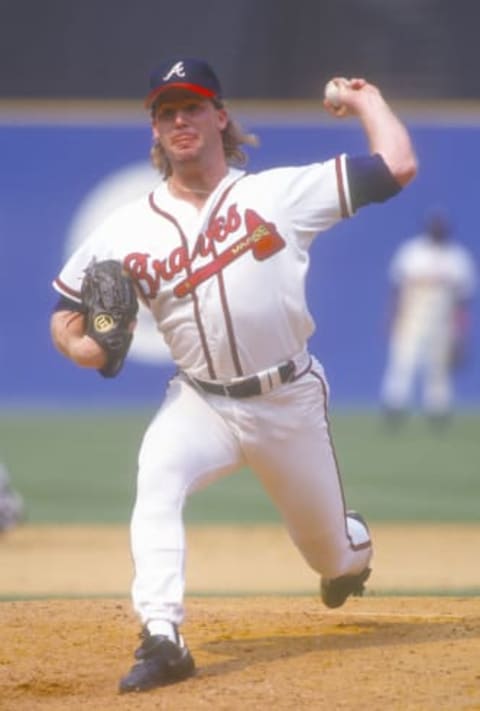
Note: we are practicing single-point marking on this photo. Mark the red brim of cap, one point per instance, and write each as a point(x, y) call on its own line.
point(194, 88)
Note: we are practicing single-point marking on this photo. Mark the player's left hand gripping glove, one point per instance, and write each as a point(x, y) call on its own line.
point(111, 305)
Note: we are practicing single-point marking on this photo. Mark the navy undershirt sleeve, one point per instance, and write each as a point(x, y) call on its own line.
point(370, 180)
point(65, 304)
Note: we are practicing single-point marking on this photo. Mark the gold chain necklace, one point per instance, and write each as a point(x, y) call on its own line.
point(183, 189)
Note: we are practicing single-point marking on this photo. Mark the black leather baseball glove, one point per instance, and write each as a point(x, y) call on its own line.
point(111, 305)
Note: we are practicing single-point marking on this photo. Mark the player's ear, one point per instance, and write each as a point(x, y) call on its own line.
point(222, 118)
point(155, 134)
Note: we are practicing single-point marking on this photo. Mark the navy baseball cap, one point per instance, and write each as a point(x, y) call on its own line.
point(193, 75)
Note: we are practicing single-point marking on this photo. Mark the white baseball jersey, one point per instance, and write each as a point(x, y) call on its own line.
point(213, 278)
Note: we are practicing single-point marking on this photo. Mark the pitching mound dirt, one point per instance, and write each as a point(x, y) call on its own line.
point(252, 653)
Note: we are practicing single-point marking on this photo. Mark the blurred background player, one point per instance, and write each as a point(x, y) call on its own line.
point(12, 508)
point(433, 280)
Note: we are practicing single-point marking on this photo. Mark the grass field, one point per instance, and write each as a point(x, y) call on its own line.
point(80, 467)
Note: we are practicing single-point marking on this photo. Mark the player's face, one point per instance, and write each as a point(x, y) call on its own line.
point(187, 126)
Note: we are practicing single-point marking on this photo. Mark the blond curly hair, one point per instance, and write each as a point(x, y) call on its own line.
point(233, 137)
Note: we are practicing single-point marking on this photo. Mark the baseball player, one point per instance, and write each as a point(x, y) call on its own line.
point(12, 506)
point(220, 257)
point(433, 280)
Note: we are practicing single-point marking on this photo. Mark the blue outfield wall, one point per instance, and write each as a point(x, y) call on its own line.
point(46, 181)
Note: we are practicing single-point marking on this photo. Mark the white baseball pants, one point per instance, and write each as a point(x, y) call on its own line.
point(423, 355)
point(195, 438)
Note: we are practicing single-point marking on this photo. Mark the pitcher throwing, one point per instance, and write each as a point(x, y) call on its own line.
point(220, 257)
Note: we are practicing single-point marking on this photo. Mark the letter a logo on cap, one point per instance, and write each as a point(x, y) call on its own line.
point(188, 74)
point(177, 69)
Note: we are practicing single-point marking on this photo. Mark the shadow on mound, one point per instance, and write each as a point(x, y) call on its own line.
point(345, 636)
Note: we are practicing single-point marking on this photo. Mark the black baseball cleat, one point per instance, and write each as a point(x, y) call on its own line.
point(334, 592)
point(161, 662)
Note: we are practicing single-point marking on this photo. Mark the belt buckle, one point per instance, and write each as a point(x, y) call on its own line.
point(271, 378)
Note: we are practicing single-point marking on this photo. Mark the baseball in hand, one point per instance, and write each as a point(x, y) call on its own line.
point(333, 92)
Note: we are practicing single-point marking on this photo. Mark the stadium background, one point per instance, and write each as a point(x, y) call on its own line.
point(72, 79)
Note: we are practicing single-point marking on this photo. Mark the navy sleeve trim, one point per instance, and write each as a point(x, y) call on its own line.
point(66, 304)
point(370, 180)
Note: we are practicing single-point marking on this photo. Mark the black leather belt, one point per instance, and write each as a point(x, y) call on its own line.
point(248, 387)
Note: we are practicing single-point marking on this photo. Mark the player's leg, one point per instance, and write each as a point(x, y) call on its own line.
point(399, 377)
point(185, 446)
point(437, 389)
point(12, 506)
point(296, 462)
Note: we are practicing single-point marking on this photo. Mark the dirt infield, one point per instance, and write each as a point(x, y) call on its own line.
point(252, 653)
point(252, 650)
